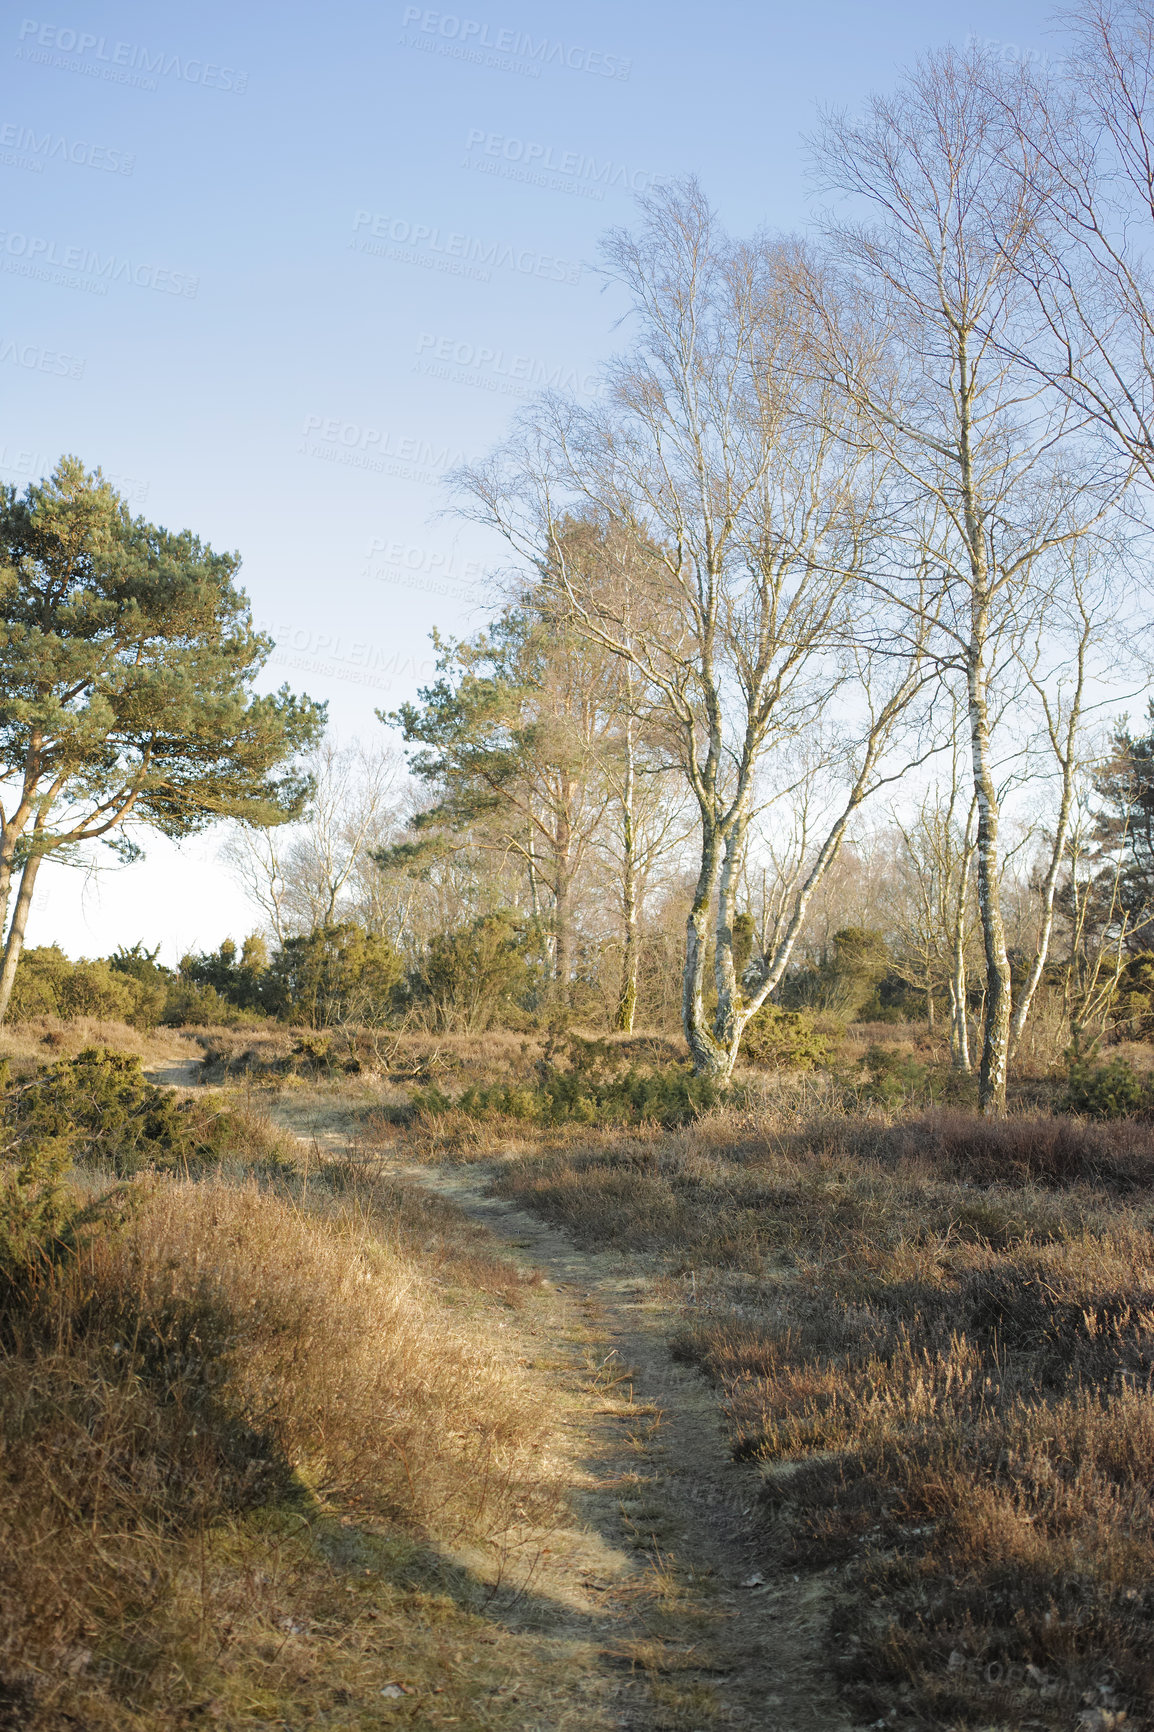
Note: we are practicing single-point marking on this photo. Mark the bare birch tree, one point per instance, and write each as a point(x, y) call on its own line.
point(309, 875)
point(1082, 138)
point(988, 488)
point(743, 499)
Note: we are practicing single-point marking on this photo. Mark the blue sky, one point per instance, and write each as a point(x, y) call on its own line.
point(274, 268)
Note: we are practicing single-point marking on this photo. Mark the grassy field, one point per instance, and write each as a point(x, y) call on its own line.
point(936, 1336)
point(268, 1448)
point(250, 1424)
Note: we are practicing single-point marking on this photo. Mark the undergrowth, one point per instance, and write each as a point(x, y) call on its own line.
point(601, 1084)
point(102, 1108)
point(214, 1354)
point(224, 1406)
point(937, 1334)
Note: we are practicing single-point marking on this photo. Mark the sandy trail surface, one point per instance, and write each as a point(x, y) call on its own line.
point(652, 1603)
point(648, 1603)
point(663, 1554)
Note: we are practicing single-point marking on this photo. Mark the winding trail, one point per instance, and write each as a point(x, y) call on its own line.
point(662, 1492)
point(653, 1605)
point(648, 1605)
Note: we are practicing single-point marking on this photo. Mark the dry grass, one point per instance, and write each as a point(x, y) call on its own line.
point(210, 1418)
point(938, 1335)
point(406, 1057)
point(43, 1039)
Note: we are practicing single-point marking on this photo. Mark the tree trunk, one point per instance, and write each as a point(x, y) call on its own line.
point(728, 1021)
point(958, 982)
point(14, 945)
point(992, 1072)
point(959, 1024)
point(563, 911)
point(562, 937)
point(1049, 889)
point(627, 997)
point(707, 1058)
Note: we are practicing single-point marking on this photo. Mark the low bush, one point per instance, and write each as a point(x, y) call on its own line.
point(894, 1076)
point(1103, 1091)
point(48, 984)
point(102, 1109)
point(671, 1096)
point(779, 1039)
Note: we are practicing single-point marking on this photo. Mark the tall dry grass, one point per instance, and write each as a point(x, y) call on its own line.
point(220, 1354)
point(43, 1039)
point(937, 1336)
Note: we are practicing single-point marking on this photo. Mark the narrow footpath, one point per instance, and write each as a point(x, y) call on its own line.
point(663, 1558)
point(648, 1604)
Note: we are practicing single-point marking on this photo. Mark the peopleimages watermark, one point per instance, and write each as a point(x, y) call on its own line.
point(506, 50)
point(24, 147)
point(34, 466)
point(1009, 53)
point(535, 164)
point(386, 237)
point(354, 660)
point(356, 445)
point(76, 267)
point(38, 359)
point(119, 62)
point(421, 568)
point(484, 368)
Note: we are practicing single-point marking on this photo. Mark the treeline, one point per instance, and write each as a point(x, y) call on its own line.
point(491, 971)
point(792, 695)
point(393, 907)
point(852, 514)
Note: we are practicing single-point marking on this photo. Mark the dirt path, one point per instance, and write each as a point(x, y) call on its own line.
point(646, 1607)
point(664, 1551)
point(185, 1074)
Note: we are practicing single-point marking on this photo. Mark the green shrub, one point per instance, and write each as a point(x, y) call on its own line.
point(240, 980)
point(668, 1097)
point(334, 974)
point(784, 1040)
point(37, 1212)
point(895, 1076)
point(187, 1003)
point(846, 978)
point(101, 1107)
point(102, 1104)
point(1102, 1091)
point(48, 984)
point(474, 976)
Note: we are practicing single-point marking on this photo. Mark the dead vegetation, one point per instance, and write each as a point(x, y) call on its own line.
point(253, 1423)
point(28, 1045)
point(224, 1408)
point(937, 1335)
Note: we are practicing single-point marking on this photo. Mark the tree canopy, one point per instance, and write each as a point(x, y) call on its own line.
point(127, 655)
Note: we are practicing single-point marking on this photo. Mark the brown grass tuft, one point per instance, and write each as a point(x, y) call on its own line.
point(224, 1353)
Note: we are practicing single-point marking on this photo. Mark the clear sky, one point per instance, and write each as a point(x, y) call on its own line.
point(275, 267)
